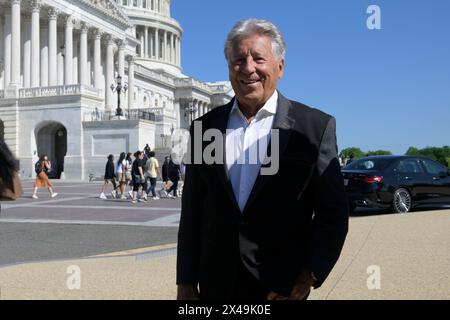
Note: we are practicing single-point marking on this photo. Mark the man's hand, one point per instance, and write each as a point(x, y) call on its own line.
point(302, 286)
point(300, 291)
point(187, 292)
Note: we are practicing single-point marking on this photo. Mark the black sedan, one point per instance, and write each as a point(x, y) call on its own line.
point(397, 182)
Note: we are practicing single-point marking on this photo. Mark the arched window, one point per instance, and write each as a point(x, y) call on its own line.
point(135, 3)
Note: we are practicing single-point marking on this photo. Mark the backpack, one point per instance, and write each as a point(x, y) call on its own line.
point(38, 167)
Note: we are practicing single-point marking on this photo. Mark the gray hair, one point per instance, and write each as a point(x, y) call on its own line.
point(248, 27)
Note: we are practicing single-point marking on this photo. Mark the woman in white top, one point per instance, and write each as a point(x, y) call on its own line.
point(121, 170)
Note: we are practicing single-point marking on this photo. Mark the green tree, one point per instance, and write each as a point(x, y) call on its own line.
point(357, 153)
point(378, 153)
point(441, 155)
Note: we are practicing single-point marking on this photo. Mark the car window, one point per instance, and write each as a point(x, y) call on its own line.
point(368, 164)
point(433, 167)
point(409, 166)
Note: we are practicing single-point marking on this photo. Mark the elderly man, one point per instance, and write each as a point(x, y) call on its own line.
point(244, 234)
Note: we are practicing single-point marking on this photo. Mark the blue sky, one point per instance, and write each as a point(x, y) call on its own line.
point(388, 89)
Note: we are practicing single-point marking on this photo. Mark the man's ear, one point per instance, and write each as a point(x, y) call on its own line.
point(281, 68)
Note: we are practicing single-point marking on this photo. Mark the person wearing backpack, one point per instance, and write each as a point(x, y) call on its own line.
point(41, 167)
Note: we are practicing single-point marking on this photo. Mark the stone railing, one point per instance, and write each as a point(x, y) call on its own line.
point(221, 88)
point(65, 90)
point(154, 75)
point(190, 82)
point(133, 114)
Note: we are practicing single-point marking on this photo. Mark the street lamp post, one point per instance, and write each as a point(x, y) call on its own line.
point(119, 88)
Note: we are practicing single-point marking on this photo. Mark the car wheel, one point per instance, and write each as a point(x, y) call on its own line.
point(402, 202)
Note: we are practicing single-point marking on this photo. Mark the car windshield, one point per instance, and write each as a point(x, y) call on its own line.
point(368, 164)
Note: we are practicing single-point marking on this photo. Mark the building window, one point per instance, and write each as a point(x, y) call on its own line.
point(144, 3)
point(125, 2)
point(135, 3)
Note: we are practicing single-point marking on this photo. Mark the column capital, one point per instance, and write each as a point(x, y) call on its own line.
point(69, 21)
point(121, 44)
point(109, 39)
point(53, 13)
point(84, 27)
point(97, 33)
point(35, 5)
point(15, 2)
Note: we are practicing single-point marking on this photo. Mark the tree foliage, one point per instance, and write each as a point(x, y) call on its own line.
point(441, 155)
point(356, 152)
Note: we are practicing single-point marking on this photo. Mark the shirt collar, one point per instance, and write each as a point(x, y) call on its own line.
point(269, 108)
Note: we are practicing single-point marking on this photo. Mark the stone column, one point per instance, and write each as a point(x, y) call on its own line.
point(75, 61)
point(130, 60)
point(169, 47)
point(52, 47)
point(179, 51)
point(157, 44)
point(145, 41)
point(142, 51)
point(2, 53)
point(109, 79)
point(15, 42)
point(26, 50)
point(152, 42)
point(121, 58)
point(7, 48)
point(44, 55)
point(97, 59)
point(35, 44)
point(68, 75)
point(174, 49)
point(60, 59)
point(83, 55)
point(196, 106)
point(165, 46)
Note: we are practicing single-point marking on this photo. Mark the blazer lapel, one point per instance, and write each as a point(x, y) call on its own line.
point(283, 123)
point(220, 122)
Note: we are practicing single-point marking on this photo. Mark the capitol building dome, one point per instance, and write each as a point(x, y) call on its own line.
point(159, 34)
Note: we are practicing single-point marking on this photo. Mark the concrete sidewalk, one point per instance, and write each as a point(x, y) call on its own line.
point(411, 252)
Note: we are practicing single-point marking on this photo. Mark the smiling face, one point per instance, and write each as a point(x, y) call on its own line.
point(254, 71)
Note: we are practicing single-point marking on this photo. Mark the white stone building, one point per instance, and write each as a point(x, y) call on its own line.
point(59, 62)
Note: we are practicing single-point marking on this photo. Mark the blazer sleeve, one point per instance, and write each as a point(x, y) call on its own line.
point(330, 221)
point(189, 232)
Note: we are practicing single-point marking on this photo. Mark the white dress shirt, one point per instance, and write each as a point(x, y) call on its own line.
point(246, 147)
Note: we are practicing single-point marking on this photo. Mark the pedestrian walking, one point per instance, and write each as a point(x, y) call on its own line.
point(174, 176)
point(121, 169)
point(110, 177)
point(137, 172)
point(165, 177)
point(42, 167)
point(152, 173)
point(128, 176)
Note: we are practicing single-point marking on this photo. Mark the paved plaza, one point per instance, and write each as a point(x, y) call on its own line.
point(127, 251)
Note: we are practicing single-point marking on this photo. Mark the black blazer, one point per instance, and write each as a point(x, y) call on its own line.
point(294, 220)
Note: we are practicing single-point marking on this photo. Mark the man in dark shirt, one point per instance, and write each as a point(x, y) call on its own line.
point(137, 172)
